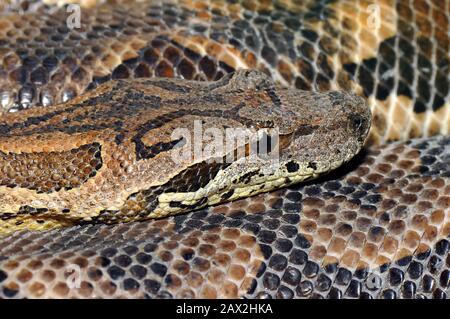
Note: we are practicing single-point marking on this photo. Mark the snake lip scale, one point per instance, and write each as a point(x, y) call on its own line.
point(118, 158)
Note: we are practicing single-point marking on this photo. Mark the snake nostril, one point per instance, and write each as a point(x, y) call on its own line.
point(356, 122)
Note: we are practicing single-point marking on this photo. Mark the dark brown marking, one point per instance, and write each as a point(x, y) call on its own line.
point(145, 152)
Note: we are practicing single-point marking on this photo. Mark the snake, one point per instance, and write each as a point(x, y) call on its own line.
point(106, 191)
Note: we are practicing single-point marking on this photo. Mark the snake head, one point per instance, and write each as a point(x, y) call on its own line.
point(322, 130)
point(307, 134)
point(317, 130)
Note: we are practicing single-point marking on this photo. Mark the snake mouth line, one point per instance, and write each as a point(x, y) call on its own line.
point(255, 183)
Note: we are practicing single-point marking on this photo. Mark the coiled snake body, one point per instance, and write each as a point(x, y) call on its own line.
point(376, 228)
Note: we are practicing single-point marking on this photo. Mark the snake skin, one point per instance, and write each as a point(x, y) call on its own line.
point(377, 228)
point(377, 231)
point(398, 59)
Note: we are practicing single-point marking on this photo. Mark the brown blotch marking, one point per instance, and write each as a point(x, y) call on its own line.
point(221, 209)
point(405, 164)
point(411, 239)
point(171, 245)
point(368, 211)
point(370, 251)
point(236, 272)
point(437, 216)
point(343, 229)
point(350, 259)
point(81, 262)
point(57, 263)
point(48, 275)
point(194, 279)
point(354, 180)
point(414, 188)
point(430, 233)
point(413, 154)
point(382, 260)
point(247, 241)
point(222, 259)
point(357, 240)
point(242, 255)
point(37, 289)
point(397, 173)
point(85, 289)
point(201, 264)
point(424, 205)
point(24, 275)
point(66, 255)
point(285, 71)
point(227, 245)
point(348, 215)
point(329, 260)
point(186, 294)
point(384, 168)
point(181, 267)
point(419, 222)
point(389, 245)
point(165, 256)
point(408, 199)
point(108, 287)
point(173, 282)
point(256, 208)
point(313, 214)
point(216, 276)
point(376, 234)
point(323, 235)
point(229, 290)
point(375, 178)
point(210, 238)
point(338, 199)
point(395, 193)
point(437, 182)
point(387, 204)
point(317, 252)
point(392, 158)
point(333, 208)
point(11, 264)
point(94, 273)
point(35, 264)
point(208, 292)
point(308, 226)
point(313, 202)
point(231, 233)
point(444, 202)
point(363, 223)
point(164, 69)
point(337, 245)
point(191, 242)
point(446, 229)
point(61, 289)
point(327, 219)
point(397, 227)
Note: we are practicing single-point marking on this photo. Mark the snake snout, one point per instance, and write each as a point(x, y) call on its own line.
point(358, 113)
